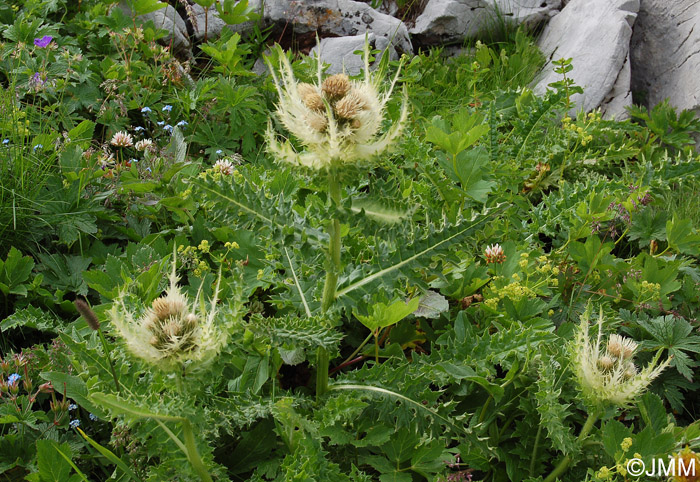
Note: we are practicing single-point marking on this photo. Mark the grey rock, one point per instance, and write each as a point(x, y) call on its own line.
point(665, 52)
point(620, 97)
point(596, 35)
point(450, 21)
point(168, 19)
point(339, 52)
point(340, 18)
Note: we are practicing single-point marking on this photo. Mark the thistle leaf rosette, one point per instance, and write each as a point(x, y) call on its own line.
point(337, 120)
point(606, 374)
point(174, 331)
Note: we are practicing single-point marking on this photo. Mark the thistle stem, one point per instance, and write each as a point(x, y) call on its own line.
point(192, 453)
point(331, 284)
point(564, 463)
point(108, 354)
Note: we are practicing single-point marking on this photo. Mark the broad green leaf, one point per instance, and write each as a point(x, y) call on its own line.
point(383, 315)
point(682, 237)
point(143, 7)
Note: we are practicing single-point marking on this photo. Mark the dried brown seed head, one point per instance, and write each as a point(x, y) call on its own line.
point(310, 96)
point(336, 86)
point(351, 105)
point(317, 121)
point(165, 307)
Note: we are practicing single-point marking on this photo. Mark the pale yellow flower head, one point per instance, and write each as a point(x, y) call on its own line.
point(337, 120)
point(173, 330)
point(607, 374)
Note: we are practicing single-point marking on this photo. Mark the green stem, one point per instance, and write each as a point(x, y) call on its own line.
point(331, 284)
point(564, 463)
point(192, 453)
point(534, 450)
point(109, 359)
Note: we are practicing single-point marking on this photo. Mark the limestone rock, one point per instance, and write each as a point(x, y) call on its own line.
point(445, 21)
point(339, 52)
point(665, 52)
point(341, 18)
point(615, 103)
point(596, 35)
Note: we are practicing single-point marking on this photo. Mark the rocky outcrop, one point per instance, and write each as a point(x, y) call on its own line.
point(665, 53)
point(450, 21)
point(341, 18)
point(339, 52)
point(596, 35)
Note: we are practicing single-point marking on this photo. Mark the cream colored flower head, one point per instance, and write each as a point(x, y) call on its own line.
point(122, 139)
point(607, 374)
point(338, 120)
point(173, 330)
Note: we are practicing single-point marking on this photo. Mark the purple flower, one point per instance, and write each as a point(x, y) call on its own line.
point(43, 41)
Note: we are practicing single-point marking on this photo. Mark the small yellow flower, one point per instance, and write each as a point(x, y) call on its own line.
point(626, 444)
point(204, 246)
point(523, 263)
point(550, 313)
point(604, 473)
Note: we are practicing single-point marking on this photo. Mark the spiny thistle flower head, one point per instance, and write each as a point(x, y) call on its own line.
point(608, 375)
point(336, 119)
point(122, 139)
point(173, 330)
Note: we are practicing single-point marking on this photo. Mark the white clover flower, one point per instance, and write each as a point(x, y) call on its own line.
point(224, 166)
point(609, 376)
point(173, 331)
point(494, 254)
point(337, 119)
point(122, 139)
point(143, 144)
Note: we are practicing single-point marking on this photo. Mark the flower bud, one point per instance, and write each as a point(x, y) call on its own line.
point(87, 313)
point(46, 388)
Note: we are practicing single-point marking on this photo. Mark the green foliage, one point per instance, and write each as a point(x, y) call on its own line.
point(465, 373)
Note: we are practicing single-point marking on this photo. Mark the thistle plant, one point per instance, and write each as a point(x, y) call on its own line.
point(606, 376)
point(172, 332)
point(338, 121)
